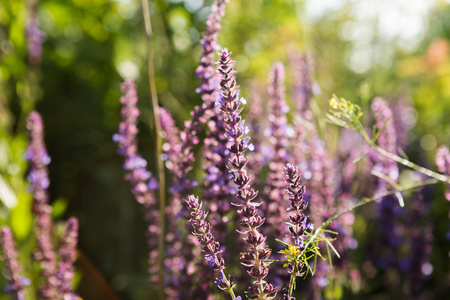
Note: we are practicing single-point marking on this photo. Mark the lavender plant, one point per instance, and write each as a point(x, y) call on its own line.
point(231, 177)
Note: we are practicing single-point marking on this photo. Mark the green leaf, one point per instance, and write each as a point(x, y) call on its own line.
point(285, 245)
point(336, 121)
point(59, 207)
point(332, 247)
point(329, 256)
point(401, 201)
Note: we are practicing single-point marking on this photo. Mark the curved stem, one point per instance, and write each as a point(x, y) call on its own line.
point(161, 176)
point(399, 159)
point(363, 202)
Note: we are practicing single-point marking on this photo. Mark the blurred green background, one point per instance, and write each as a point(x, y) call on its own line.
point(381, 48)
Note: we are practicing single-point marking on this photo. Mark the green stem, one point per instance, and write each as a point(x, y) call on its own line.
point(363, 202)
point(161, 175)
point(230, 288)
point(359, 127)
point(292, 280)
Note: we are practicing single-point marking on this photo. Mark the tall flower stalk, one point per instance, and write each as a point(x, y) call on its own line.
point(256, 254)
point(215, 154)
point(39, 182)
point(298, 224)
point(142, 181)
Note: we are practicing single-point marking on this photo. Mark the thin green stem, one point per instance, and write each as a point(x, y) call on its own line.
point(359, 127)
point(230, 288)
point(365, 201)
point(292, 280)
point(161, 175)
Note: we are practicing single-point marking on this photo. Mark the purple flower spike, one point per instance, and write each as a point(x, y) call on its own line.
point(16, 283)
point(297, 219)
point(137, 174)
point(255, 257)
point(443, 164)
point(68, 255)
point(142, 181)
point(205, 71)
point(38, 177)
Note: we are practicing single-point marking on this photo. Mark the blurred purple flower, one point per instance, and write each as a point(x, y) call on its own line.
point(38, 177)
point(16, 283)
point(68, 256)
point(142, 181)
point(274, 206)
point(35, 39)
